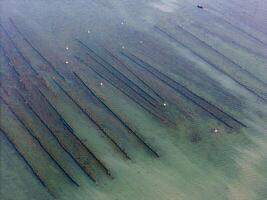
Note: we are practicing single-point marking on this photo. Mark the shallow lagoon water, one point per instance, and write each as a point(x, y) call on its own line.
point(195, 71)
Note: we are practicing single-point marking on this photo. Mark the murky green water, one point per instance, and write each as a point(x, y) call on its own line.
point(133, 100)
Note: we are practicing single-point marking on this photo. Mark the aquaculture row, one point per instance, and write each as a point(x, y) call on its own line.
point(250, 88)
point(30, 90)
point(26, 92)
point(213, 110)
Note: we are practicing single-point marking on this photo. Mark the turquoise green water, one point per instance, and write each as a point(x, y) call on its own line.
point(218, 53)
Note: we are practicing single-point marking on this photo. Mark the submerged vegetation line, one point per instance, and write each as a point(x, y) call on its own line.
point(94, 122)
point(38, 140)
point(188, 94)
point(35, 49)
point(145, 107)
point(241, 30)
point(34, 171)
point(134, 74)
point(211, 64)
point(61, 144)
point(64, 146)
point(116, 116)
point(122, 78)
point(84, 111)
point(9, 62)
point(229, 40)
point(222, 55)
point(18, 51)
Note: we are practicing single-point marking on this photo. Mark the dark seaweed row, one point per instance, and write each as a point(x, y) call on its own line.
point(35, 49)
point(39, 142)
point(18, 51)
point(242, 31)
point(173, 83)
point(229, 40)
point(116, 116)
point(90, 176)
point(34, 172)
point(145, 107)
point(116, 73)
point(222, 55)
point(60, 143)
point(134, 74)
point(9, 62)
point(114, 80)
point(71, 130)
point(13, 66)
point(188, 94)
point(84, 112)
point(56, 138)
point(211, 64)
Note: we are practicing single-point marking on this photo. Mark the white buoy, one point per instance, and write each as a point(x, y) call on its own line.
point(67, 48)
point(216, 130)
point(88, 31)
point(101, 84)
point(67, 62)
point(164, 104)
point(123, 47)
